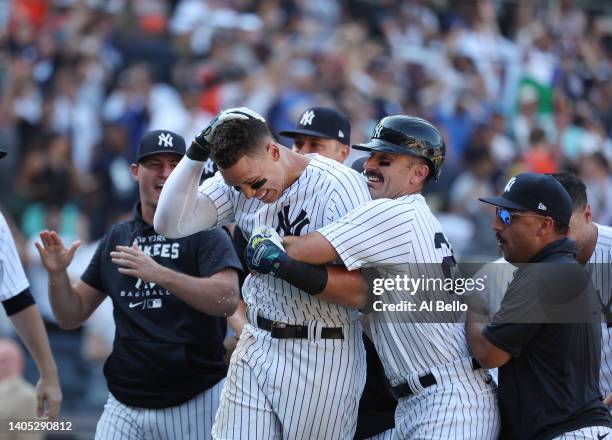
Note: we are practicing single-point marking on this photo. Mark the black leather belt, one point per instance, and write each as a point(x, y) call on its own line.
point(280, 330)
point(427, 380)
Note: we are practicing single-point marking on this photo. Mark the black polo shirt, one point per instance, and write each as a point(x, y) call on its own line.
point(551, 383)
point(165, 352)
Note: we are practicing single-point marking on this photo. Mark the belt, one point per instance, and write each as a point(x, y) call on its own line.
point(427, 380)
point(280, 330)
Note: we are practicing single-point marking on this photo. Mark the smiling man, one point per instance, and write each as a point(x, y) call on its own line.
point(299, 367)
point(169, 296)
point(545, 338)
point(442, 393)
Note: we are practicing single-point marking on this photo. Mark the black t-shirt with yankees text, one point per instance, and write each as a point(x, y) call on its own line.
point(165, 352)
point(549, 324)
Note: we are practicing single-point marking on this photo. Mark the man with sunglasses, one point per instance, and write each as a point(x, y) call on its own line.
point(545, 339)
point(594, 247)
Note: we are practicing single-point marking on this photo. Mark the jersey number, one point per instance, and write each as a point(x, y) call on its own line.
point(448, 262)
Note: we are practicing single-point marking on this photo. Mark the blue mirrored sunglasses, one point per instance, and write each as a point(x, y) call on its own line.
point(505, 215)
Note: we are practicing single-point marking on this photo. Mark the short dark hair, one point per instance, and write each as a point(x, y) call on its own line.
point(236, 138)
point(575, 188)
point(418, 160)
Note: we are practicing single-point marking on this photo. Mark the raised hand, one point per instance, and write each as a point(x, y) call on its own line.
point(200, 147)
point(53, 254)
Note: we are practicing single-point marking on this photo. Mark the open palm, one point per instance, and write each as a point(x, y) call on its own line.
point(53, 254)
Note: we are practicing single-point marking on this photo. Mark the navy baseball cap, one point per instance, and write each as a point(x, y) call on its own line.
point(160, 141)
point(322, 122)
point(538, 193)
point(2, 154)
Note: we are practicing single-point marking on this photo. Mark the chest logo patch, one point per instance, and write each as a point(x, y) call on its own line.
point(288, 227)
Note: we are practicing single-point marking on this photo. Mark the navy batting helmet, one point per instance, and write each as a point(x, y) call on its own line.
point(402, 134)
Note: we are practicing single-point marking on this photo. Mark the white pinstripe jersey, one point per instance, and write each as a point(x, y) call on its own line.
point(393, 236)
point(324, 192)
point(601, 263)
point(13, 280)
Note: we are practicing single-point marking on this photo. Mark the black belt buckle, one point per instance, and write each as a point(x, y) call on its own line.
point(427, 380)
point(278, 330)
point(332, 333)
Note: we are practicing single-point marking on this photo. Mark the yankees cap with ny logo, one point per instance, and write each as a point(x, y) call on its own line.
point(160, 141)
point(322, 122)
point(538, 193)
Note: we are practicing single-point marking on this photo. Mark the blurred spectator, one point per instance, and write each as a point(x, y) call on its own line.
point(476, 181)
point(503, 149)
point(113, 191)
point(17, 397)
point(539, 156)
point(595, 173)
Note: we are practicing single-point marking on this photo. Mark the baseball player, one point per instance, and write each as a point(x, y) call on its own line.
point(299, 367)
point(442, 392)
point(548, 361)
point(326, 131)
point(594, 245)
point(23, 313)
point(169, 296)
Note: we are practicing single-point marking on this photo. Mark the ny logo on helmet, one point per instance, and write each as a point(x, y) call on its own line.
point(307, 118)
point(377, 131)
point(165, 139)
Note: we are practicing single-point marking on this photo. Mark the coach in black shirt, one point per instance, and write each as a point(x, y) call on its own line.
point(546, 337)
point(170, 299)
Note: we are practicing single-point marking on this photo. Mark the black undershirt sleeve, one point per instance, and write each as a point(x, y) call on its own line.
point(18, 302)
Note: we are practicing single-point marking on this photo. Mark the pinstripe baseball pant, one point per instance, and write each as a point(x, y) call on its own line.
point(292, 388)
point(462, 406)
point(191, 420)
